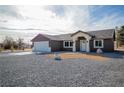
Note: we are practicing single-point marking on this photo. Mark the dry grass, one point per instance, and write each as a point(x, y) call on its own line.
point(25, 50)
point(97, 57)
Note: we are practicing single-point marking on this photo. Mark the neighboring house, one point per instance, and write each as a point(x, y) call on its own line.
point(78, 41)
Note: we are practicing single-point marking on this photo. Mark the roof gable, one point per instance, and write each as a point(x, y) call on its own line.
point(80, 32)
point(40, 37)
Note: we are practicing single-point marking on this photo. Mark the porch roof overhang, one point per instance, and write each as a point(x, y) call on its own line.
point(81, 34)
point(79, 31)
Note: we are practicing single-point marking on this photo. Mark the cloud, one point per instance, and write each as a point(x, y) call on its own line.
point(83, 18)
point(27, 21)
point(79, 15)
point(9, 10)
point(105, 17)
point(57, 19)
point(37, 17)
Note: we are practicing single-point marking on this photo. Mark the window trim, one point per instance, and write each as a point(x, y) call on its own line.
point(98, 46)
point(69, 44)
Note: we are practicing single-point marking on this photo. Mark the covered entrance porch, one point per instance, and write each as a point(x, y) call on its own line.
point(81, 41)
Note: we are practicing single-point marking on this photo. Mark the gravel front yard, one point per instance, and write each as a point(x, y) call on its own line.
point(42, 71)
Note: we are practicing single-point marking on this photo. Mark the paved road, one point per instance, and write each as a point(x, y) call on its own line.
point(41, 71)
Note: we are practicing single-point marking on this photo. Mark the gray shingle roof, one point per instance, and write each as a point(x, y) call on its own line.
point(60, 37)
point(102, 34)
point(107, 33)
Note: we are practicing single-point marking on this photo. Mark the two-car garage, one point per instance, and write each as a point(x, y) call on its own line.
point(42, 46)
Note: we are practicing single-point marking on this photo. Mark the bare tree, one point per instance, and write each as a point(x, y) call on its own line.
point(20, 43)
point(8, 42)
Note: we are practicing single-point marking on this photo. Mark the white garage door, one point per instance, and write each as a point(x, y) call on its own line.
point(42, 46)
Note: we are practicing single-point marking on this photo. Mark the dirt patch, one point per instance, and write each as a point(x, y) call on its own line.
point(97, 57)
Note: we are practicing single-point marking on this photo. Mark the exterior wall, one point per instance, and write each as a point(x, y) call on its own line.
point(78, 45)
point(56, 45)
point(107, 43)
point(66, 49)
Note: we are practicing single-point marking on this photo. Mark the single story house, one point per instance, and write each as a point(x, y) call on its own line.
point(78, 41)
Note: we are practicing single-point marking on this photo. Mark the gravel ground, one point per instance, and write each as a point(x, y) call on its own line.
point(40, 71)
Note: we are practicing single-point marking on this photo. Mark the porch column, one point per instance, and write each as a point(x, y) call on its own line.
point(74, 45)
point(88, 46)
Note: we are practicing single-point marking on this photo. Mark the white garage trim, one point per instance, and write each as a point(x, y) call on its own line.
point(42, 46)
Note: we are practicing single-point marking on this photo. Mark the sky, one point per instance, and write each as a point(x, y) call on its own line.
point(59, 19)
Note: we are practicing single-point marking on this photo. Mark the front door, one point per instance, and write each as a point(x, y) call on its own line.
point(82, 45)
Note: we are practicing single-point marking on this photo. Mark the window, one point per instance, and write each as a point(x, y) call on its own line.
point(68, 44)
point(71, 44)
point(98, 43)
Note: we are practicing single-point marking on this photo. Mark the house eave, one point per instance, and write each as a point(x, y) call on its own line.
point(79, 32)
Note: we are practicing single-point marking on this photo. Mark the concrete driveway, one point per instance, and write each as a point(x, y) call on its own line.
point(42, 71)
point(5, 54)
